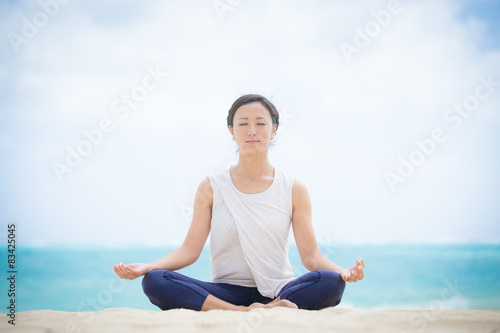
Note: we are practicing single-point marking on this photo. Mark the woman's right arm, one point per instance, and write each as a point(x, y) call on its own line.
point(193, 244)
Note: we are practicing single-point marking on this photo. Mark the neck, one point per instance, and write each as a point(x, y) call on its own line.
point(253, 166)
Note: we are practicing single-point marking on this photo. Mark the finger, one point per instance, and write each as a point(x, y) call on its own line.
point(122, 275)
point(361, 273)
point(118, 272)
point(117, 268)
point(128, 272)
point(359, 262)
point(123, 270)
point(362, 262)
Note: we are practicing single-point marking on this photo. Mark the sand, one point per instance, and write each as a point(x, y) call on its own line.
point(258, 320)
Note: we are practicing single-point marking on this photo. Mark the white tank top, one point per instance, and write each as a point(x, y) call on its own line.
point(249, 234)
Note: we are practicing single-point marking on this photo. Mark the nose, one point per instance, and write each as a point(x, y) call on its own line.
point(251, 130)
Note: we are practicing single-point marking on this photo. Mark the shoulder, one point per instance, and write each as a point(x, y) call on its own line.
point(300, 194)
point(286, 179)
point(204, 194)
point(205, 184)
point(215, 178)
point(299, 187)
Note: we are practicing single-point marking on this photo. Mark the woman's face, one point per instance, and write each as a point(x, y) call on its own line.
point(253, 128)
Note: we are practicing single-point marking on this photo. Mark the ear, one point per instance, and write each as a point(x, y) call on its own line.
point(231, 130)
point(275, 128)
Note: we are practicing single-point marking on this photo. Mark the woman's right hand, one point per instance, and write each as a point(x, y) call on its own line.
point(131, 271)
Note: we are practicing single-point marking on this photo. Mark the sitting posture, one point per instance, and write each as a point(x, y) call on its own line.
point(247, 210)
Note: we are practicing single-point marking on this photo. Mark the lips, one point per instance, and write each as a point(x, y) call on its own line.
point(253, 141)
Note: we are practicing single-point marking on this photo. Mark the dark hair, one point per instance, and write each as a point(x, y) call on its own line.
point(250, 98)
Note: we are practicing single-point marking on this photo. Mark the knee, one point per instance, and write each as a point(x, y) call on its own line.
point(334, 284)
point(151, 281)
point(332, 278)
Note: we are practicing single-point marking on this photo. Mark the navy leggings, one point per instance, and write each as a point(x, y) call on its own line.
point(171, 290)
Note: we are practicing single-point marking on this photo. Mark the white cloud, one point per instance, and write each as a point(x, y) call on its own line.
point(351, 121)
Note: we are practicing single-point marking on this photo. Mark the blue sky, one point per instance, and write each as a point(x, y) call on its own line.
point(487, 12)
point(350, 119)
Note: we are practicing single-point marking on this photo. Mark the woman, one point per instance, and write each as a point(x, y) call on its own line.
point(247, 210)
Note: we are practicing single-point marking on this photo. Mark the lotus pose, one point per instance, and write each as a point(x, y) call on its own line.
point(248, 210)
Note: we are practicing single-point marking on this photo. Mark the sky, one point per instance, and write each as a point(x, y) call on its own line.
point(113, 112)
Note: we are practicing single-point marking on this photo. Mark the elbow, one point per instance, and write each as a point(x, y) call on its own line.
point(307, 266)
point(311, 262)
point(193, 259)
point(310, 265)
point(191, 255)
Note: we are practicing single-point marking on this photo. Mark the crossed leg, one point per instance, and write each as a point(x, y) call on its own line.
point(214, 303)
point(171, 290)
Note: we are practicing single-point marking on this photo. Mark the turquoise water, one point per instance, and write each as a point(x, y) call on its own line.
point(396, 276)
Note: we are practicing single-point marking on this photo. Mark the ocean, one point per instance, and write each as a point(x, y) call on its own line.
point(397, 276)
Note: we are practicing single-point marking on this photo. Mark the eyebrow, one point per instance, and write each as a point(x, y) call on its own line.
point(247, 118)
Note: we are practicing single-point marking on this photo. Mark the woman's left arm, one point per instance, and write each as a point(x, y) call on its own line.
point(311, 257)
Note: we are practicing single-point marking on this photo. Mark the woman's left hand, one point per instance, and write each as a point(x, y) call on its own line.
point(354, 273)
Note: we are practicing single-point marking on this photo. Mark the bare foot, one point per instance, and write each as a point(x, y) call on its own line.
point(283, 303)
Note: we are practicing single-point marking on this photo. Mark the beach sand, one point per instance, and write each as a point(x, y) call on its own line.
point(258, 320)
